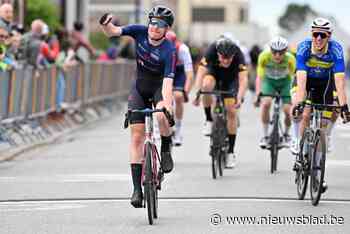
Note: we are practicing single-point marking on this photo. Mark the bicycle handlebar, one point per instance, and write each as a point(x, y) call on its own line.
point(149, 111)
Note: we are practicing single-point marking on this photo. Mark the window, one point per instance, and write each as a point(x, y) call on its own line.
point(243, 15)
point(208, 14)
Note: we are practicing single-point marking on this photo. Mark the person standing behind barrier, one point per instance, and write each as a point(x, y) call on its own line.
point(64, 62)
point(31, 43)
point(6, 16)
point(182, 82)
point(156, 59)
point(78, 40)
point(6, 62)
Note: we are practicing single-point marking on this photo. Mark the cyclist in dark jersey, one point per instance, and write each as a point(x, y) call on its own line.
point(155, 57)
point(223, 64)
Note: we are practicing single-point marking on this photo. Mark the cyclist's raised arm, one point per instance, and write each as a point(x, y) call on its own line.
point(108, 27)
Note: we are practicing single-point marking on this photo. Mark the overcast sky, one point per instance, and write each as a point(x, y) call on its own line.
point(267, 12)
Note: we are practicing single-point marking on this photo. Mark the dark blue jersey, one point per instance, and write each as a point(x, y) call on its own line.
point(153, 62)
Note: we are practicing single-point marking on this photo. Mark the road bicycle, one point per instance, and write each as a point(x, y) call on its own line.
point(152, 174)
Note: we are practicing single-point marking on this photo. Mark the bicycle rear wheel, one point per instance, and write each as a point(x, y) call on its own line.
point(318, 160)
point(148, 183)
point(302, 170)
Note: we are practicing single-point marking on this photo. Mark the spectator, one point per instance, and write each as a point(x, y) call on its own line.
point(6, 16)
point(110, 55)
point(49, 48)
point(78, 40)
point(5, 61)
point(32, 45)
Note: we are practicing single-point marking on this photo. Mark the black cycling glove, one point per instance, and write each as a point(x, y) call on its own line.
point(106, 19)
point(297, 110)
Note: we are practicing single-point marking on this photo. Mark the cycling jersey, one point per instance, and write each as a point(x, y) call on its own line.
point(228, 77)
point(154, 63)
point(320, 69)
point(267, 68)
point(323, 66)
point(183, 65)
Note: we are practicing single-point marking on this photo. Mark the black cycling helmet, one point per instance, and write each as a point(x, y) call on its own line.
point(163, 13)
point(225, 46)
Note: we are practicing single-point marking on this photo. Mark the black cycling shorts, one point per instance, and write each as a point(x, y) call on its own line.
point(225, 81)
point(320, 91)
point(140, 99)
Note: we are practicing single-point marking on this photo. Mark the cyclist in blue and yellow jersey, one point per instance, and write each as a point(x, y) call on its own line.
point(155, 57)
point(275, 73)
point(319, 60)
point(223, 63)
point(182, 82)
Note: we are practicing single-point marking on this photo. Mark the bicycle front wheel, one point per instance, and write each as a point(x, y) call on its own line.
point(148, 183)
point(274, 146)
point(302, 168)
point(318, 161)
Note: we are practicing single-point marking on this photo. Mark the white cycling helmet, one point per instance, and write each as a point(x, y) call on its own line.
point(322, 24)
point(279, 44)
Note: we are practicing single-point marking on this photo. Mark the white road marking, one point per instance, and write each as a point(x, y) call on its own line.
point(40, 207)
point(69, 178)
point(344, 163)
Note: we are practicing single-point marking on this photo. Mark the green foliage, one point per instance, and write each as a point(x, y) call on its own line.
point(42, 9)
point(294, 16)
point(99, 40)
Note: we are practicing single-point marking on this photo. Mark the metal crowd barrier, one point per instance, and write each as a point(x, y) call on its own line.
point(29, 94)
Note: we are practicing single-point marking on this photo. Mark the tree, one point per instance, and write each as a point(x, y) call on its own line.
point(295, 16)
point(42, 9)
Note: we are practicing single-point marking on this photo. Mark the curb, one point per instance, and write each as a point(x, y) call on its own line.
point(10, 154)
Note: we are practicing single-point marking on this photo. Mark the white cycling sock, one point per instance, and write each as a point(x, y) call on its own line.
point(295, 130)
point(266, 130)
point(178, 124)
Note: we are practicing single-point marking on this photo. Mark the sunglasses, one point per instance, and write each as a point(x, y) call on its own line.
point(159, 23)
point(4, 36)
point(280, 52)
point(321, 34)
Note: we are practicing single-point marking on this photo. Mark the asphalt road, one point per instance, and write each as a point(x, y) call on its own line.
point(82, 185)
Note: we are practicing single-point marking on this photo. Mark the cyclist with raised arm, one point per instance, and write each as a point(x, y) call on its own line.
point(223, 63)
point(155, 57)
point(319, 60)
point(182, 82)
point(275, 71)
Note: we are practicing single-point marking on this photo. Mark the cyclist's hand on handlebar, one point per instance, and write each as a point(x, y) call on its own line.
point(345, 114)
point(297, 110)
point(105, 19)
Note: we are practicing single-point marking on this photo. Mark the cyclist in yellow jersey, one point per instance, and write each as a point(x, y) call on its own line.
point(275, 72)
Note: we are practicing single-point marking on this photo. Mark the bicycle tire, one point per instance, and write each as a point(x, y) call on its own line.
point(217, 139)
point(302, 173)
point(214, 165)
point(155, 203)
point(148, 183)
point(316, 183)
point(274, 146)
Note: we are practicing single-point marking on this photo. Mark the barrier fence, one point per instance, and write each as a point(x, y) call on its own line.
point(29, 96)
